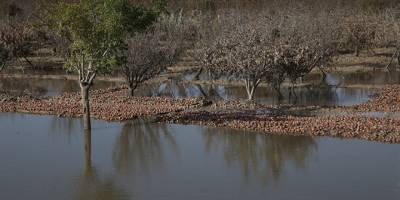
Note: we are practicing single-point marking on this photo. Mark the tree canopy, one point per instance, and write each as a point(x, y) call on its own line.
point(96, 30)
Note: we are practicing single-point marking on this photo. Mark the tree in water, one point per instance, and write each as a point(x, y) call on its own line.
point(92, 187)
point(259, 156)
point(242, 54)
point(95, 31)
point(140, 147)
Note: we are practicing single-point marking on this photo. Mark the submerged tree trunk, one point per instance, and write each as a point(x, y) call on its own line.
point(29, 62)
point(277, 88)
point(357, 51)
point(86, 106)
point(394, 56)
point(201, 90)
point(2, 66)
point(198, 73)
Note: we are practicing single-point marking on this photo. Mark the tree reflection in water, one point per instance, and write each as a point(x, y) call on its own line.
point(141, 146)
point(90, 185)
point(19, 87)
point(259, 155)
point(66, 126)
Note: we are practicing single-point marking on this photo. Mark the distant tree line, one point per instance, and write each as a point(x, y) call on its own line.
point(28, 6)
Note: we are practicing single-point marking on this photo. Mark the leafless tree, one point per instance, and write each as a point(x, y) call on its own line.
point(150, 53)
point(392, 20)
point(16, 41)
point(271, 47)
point(145, 60)
point(241, 54)
point(358, 32)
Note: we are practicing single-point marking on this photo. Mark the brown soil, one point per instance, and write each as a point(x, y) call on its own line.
point(109, 104)
point(114, 105)
point(387, 100)
point(377, 129)
point(346, 122)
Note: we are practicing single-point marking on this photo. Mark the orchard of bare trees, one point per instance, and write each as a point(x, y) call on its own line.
point(280, 42)
point(272, 46)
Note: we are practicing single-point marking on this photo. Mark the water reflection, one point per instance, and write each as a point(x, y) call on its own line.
point(378, 77)
point(66, 127)
point(303, 96)
point(259, 156)
point(90, 186)
point(157, 161)
point(322, 96)
point(17, 87)
point(45, 87)
point(307, 96)
point(140, 147)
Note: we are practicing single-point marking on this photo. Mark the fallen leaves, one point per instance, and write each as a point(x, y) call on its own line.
point(106, 104)
point(379, 129)
point(114, 105)
point(387, 100)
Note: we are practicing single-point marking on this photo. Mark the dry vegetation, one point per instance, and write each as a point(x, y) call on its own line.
point(284, 42)
point(270, 46)
point(151, 52)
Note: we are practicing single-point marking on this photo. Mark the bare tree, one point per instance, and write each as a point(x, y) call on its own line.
point(297, 60)
point(15, 42)
point(306, 41)
point(145, 60)
point(150, 53)
point(359, 32)
point(242, 54)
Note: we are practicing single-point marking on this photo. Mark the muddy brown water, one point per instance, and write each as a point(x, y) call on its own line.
point(45, 157)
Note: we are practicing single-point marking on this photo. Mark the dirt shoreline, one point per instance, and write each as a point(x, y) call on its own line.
point(113, 105)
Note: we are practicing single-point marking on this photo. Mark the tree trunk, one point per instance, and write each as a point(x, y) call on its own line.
point(2, 66)
point(277, 88)
point(252, 92)
point(86, 106)
point(131, 89)
point(398, 59)
point(251, 86)
point(357, 51)
point(394, 56)
point(198, 73)
point(202, 90)
point(29, 63)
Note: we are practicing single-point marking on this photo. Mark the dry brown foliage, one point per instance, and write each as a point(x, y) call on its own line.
point(149, 53)
point(269, 47)
point(16, 41)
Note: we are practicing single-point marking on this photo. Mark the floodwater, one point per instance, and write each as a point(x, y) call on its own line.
point(45, 87)
point(322, 96)
point(46, 158)
point(319, 95)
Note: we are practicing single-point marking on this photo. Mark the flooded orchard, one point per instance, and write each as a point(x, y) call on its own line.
point(340, 89)
point(202, 100)
point(51, 158)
